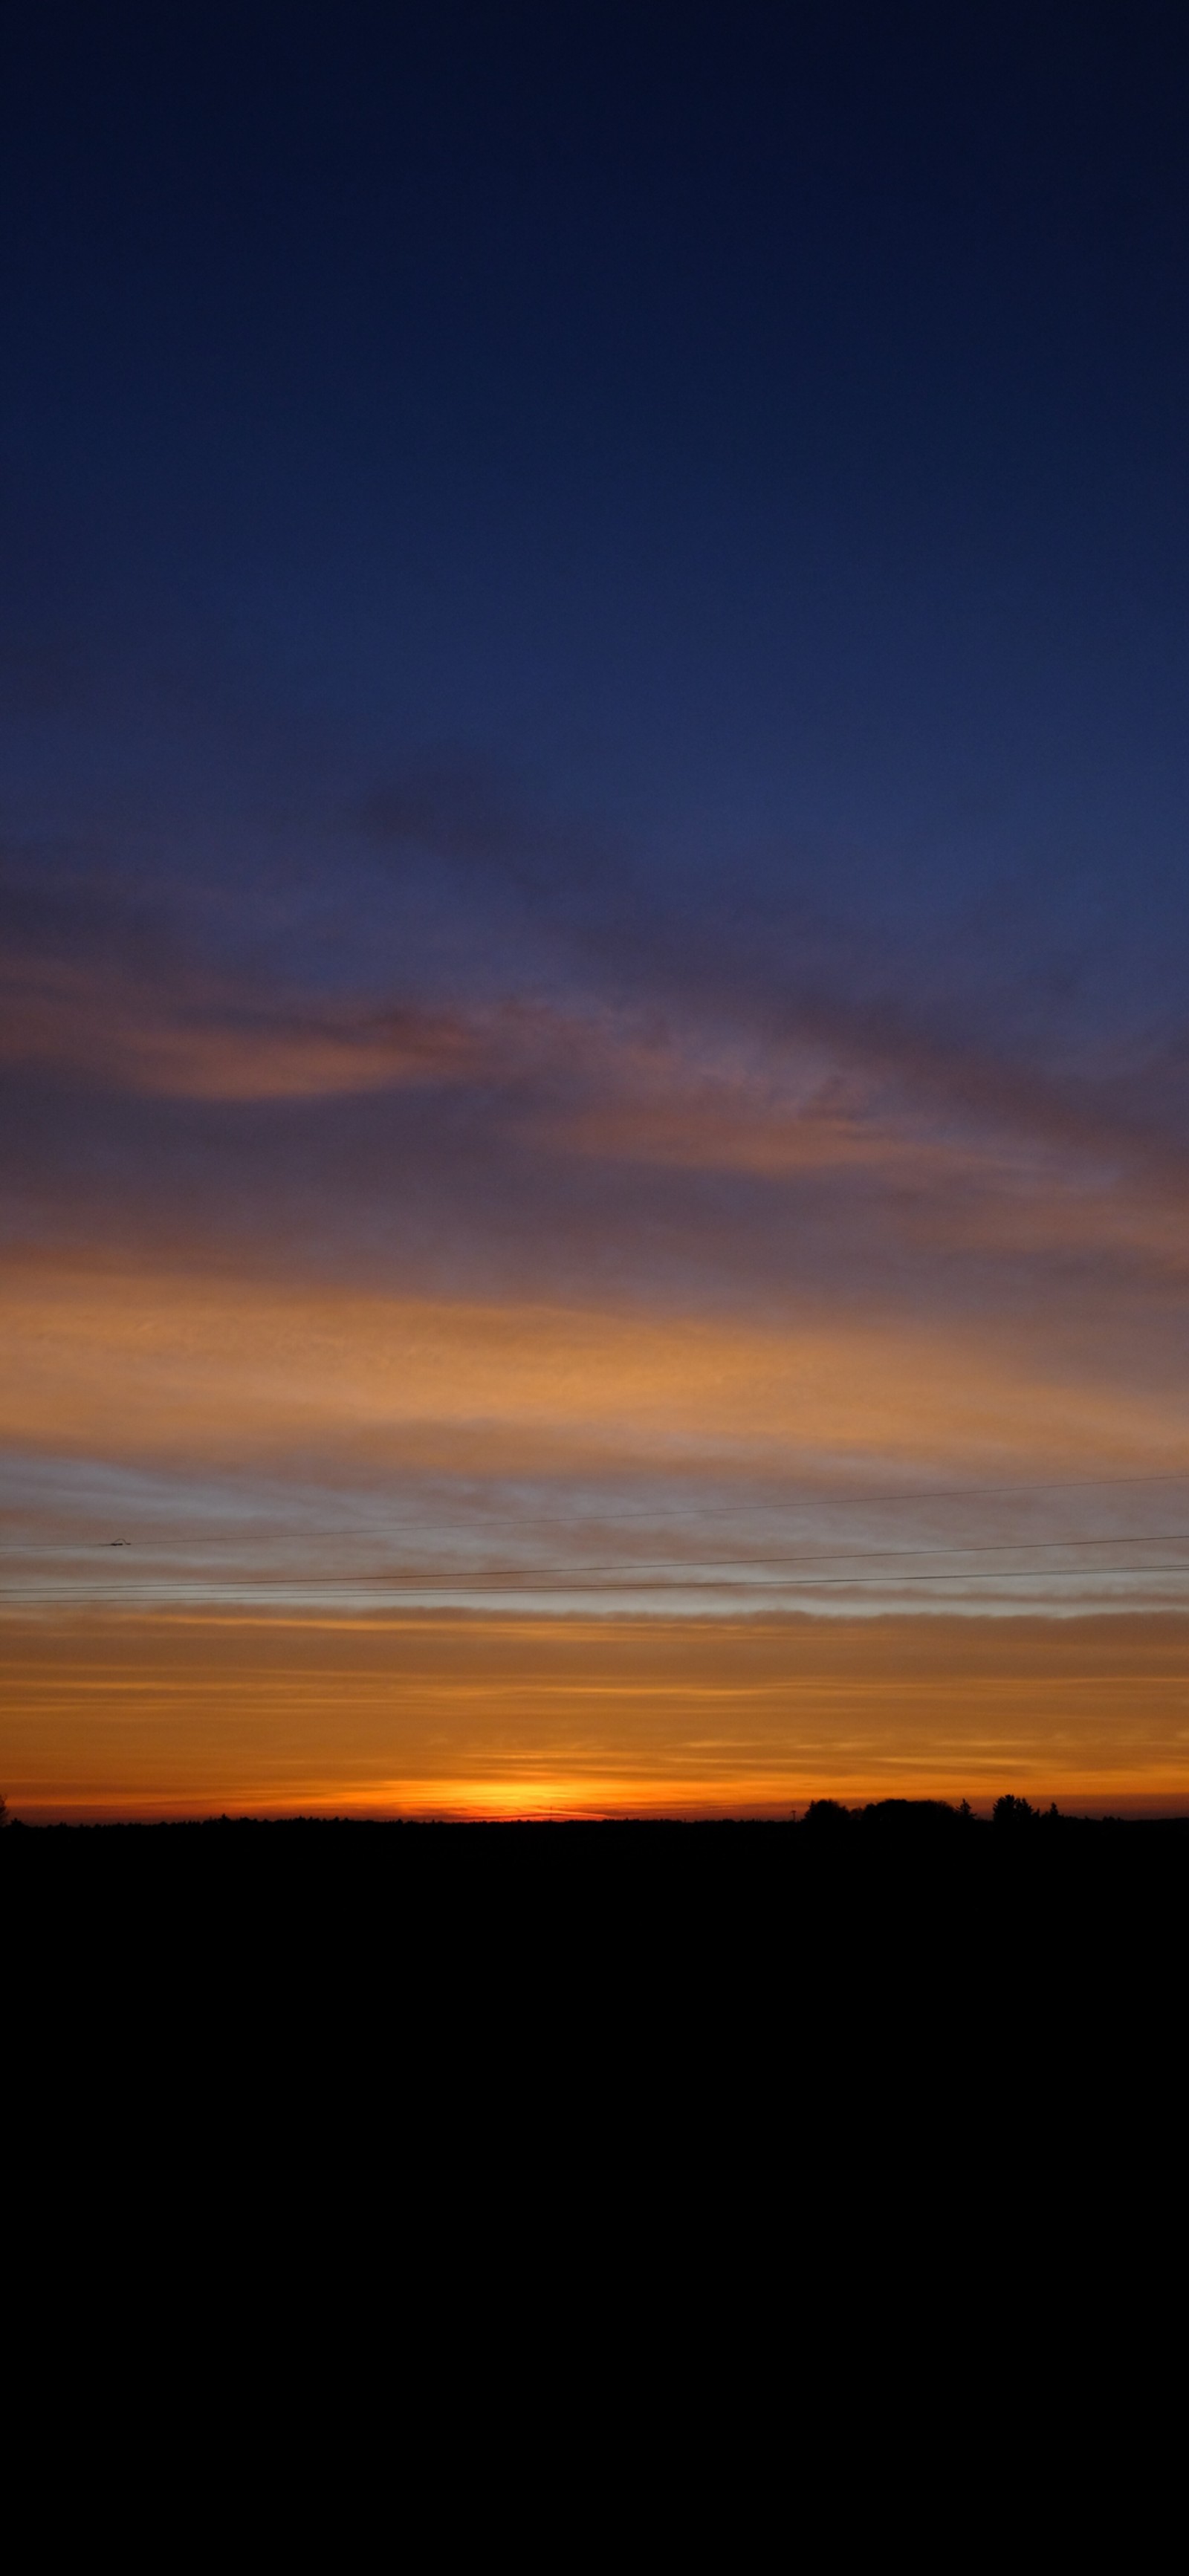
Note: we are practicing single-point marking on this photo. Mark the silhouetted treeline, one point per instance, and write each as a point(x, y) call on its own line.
point(931, 1814)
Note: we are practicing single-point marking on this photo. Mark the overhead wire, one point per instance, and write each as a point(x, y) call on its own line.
point(637, 1566)
point(572, 1586)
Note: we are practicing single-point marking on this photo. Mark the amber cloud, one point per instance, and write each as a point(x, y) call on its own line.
point(132, 1364)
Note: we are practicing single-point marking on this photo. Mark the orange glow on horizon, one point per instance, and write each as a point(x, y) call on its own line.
point(500, 1717)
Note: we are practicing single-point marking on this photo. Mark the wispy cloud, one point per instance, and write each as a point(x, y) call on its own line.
point(475, 813)
point(858, 1130)
point(206, 1042)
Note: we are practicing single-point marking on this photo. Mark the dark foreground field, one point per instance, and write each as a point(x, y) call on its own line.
point(1056, 1915)
point(893, 2031)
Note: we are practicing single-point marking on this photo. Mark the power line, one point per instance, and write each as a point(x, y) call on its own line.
point(252, 1587)
point(744, 1564)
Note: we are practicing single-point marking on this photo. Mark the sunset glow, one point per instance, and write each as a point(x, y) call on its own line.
point(594, 1095)
point(514, 1716)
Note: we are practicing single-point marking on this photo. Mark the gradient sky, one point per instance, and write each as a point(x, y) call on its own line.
point(593, 912)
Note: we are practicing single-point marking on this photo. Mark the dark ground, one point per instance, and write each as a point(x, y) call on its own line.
point(1053, 1916)
point(527, 2045)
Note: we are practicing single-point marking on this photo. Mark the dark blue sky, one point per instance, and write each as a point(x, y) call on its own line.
point(734, 456)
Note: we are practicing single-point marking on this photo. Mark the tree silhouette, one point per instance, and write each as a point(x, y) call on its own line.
point(1012, 1811)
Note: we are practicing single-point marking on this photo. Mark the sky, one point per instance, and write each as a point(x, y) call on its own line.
point(594, 1073)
